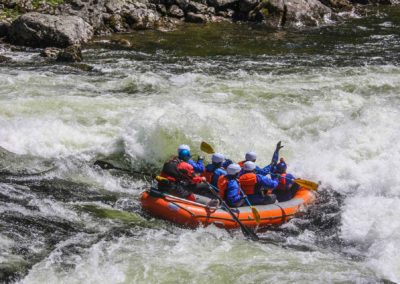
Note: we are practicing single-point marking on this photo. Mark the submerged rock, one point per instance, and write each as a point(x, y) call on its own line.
point(121, 42)
point(50, 52)
point(40, 30)
point(72, 53)
point(83, 67)
point(4, 59)
point(14, 164)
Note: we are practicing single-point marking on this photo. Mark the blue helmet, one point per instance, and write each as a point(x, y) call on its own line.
point(226, 163)
point(184, 154)
point(281, 167)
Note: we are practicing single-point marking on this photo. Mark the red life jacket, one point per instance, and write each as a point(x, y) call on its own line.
point(241, 163)
point(248, 182)
point(176, 170)
point(186, 168)
point(222, 184)
point(282, 182)
point(208, 176)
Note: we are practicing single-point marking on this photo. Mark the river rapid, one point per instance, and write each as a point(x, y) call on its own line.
point(331, 94)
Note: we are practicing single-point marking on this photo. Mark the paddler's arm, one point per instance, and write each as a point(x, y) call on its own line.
point(275, 156)
point(197, 166)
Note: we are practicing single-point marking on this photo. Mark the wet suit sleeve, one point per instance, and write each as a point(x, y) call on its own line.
point(233, 192)
point(197, 166)
point(263, 171)
point(266, 182)
point(275, 158)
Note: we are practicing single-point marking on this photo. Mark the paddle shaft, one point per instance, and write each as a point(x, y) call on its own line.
point(246, 231)
point(108, 166)
point(256, 215)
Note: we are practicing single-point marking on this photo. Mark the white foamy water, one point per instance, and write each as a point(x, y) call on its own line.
point(197, 257)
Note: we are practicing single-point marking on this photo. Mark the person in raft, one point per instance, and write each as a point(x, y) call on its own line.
point(198, 166)
point(252, 157)
point(256, 186)
point(229, 188)
point(215, 169)
point(286, 188)
point(180, 177)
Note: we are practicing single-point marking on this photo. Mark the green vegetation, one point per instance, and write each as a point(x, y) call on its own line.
point(36, 3)
point(13, 13)
point(9, 14)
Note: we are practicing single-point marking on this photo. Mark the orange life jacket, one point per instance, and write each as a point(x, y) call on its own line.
point(248, 182)
point(241, 163)
point(222, 185)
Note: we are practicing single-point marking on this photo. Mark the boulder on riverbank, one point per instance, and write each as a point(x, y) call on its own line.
point(41, 30)
point(64, 23)
point(4, 26)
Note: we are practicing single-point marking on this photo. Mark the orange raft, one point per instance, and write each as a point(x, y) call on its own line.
point(193, 214)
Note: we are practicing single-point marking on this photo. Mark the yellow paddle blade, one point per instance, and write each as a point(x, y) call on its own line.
point(256, 215)
point(307, 184)
point(160, 178)
point(205, 147)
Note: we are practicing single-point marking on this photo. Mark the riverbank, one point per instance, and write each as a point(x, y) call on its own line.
point(59, 23)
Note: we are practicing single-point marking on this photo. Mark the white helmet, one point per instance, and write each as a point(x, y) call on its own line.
point(183, 147)
point(251, 156)
point(217, 158)
point(233, 169)
point(249, 166)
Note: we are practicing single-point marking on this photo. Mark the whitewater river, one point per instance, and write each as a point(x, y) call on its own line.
point(332, 95)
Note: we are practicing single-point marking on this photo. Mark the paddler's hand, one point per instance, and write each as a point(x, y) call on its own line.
point(278, 146)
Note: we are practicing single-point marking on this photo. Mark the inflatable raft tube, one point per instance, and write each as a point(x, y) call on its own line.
point(193, 214)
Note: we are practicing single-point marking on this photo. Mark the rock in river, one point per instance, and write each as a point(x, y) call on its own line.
point(41, 30)
point(72, 53)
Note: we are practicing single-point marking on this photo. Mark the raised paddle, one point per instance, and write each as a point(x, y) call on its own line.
point(108, 166)
point(205, 147)
point(246, 231)
point(308, 184)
